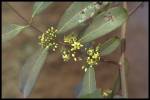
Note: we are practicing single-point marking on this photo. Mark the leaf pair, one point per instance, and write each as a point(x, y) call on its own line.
point(13, 30)
point(77, 13)
point(101, 25)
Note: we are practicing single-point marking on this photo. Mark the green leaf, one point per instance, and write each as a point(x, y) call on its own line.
point(38, 7)
point(104, 23)
point(89, 82)
point(31, 70)
point(11, 31)
point(109, 46)
point(95, 94)
point(78, 13)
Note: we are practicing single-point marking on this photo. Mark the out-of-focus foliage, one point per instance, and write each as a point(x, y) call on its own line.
point(11, 31)
point(38, 7)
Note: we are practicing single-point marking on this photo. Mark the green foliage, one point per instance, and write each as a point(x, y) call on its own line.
point(89, 82)
point(78, 13)
point(104, 23)
point(95, 94)
point(38, 7)
point(104, 20)
point(31, 70)
point(109, 46)
point(12, 31)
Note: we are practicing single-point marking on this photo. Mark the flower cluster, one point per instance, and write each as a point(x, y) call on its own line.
point(71, 48)
point(48, 39)
point(73, 45)
point(93, 57)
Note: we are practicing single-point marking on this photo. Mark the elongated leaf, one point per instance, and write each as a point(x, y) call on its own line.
point(24, 73)
point(109, 46)
point(38, 7)
point(89, 82)
point(11, 31)
point(31, 70)
point(95, 94)
point(104, 23)
point(78, 13)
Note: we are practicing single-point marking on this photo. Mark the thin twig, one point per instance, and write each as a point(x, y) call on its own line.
point(25, 20)
point(110, 61)
point(134, 9)
point(122, 58)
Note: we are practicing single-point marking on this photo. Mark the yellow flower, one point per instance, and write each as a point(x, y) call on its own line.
point(90, 51)
point(106, 92)
point(90, 61)
point(48, 39)
point(73, 45)
point(96, 55)
point(75, 59)
point(76, 46)
point(93, 56)
point(70, 38)
point(65, 55)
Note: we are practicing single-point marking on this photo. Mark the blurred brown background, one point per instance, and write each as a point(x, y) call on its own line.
point(58, 79)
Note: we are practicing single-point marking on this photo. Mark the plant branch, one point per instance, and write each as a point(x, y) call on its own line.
point(134, 9)
point(110, 61)
point(122, 58)
point(25, 20)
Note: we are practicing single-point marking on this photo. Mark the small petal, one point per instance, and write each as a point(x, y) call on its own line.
point(85, 69)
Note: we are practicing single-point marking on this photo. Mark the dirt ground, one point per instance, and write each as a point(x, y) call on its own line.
point(58, 79)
